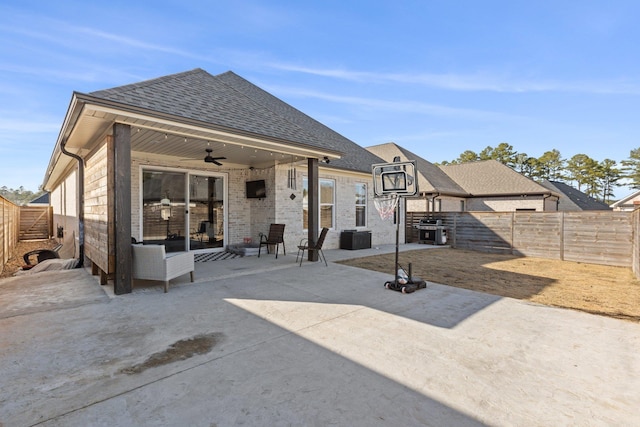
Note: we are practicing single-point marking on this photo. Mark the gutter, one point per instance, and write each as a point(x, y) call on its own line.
point(80, 200)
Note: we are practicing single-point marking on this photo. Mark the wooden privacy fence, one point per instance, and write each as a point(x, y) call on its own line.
point(9, 229)
point(596, 237)
point(36, 222)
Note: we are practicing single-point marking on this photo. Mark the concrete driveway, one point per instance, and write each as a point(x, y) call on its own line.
point(263, 342)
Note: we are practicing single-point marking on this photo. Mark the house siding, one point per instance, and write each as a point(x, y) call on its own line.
point(64, 203)
point(97, 209)
point(505, 204)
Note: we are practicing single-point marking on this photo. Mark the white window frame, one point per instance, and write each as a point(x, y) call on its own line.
point(362, 205)
point(305, 186)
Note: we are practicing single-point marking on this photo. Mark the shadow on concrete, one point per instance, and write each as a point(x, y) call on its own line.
point(261, 373)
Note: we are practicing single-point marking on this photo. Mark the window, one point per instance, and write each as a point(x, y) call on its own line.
point(361, 205)
point(439, 205)
point(327, 203)
point(461, 205)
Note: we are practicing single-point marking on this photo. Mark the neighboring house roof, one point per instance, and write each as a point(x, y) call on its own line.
point(42, 199)
point(492, 178)
point(229, 101)
point(632, 201)
point(431, 179)
point(572, 199)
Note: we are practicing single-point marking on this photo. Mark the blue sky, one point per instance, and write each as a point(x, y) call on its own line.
point(436, 77)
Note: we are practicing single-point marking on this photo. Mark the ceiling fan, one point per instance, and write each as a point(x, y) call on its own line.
point(210, 159)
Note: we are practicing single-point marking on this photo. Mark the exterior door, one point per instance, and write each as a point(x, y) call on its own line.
point(206, 212)
point(163, 209)
point(180, 216)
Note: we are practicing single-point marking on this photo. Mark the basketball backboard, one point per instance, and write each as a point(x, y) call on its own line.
point(395, 178)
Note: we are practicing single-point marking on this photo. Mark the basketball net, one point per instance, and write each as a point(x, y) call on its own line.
point(386, 205)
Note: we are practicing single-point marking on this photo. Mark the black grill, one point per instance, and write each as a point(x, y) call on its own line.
point(431, 231)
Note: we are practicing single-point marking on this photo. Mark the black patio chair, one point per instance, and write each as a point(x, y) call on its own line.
point(317, 246)
point(275, 237)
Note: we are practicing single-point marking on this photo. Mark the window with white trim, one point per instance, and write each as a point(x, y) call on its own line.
point(326, 203)
point(361, 205)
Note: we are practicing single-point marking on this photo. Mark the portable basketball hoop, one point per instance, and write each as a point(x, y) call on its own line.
point(386, 205)
point(390, 182)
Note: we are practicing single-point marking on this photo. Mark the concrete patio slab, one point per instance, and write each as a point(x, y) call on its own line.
point(310, 345)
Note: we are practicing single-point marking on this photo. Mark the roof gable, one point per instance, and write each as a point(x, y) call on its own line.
point(490, 177)
point(630, 200)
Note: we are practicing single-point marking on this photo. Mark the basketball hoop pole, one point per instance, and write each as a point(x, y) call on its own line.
point(395, 271)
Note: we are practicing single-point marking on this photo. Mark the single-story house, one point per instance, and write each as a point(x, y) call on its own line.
point(486, 185)
point(629, 203)
point(572, 199)
point(197, 162)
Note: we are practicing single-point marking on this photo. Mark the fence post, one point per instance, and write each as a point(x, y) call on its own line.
point(455, 228)
point(513, 220)
point(562, 231)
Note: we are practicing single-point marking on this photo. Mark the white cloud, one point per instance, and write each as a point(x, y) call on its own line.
point(470, 82)
point(389, 105)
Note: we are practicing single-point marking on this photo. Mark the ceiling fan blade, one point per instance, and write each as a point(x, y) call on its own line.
point(210, 159)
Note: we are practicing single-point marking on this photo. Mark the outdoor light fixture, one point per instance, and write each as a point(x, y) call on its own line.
point(165, 209)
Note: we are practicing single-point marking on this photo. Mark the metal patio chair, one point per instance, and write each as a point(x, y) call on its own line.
point(275, 237)
point(317, 246)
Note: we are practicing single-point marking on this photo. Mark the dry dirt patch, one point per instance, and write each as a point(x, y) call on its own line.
point(598, 289)
point(15, 262)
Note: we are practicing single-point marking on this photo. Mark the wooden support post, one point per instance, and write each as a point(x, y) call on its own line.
point(122, 208)
point(104, 278)
point(313, 202)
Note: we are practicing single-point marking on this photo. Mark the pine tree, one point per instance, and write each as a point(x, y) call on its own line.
point(631, 168)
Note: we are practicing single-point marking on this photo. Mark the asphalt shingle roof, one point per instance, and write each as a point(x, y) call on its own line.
point(490, 177)
point(229, 101)
point(574, 197)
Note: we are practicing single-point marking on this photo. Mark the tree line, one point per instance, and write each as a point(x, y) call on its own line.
point(19, 196)
point(594, 178)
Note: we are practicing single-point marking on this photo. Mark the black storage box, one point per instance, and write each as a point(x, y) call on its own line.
point(353, 239)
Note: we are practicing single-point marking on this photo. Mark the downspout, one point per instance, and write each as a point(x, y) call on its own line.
point(433, 202)
point(80, 201)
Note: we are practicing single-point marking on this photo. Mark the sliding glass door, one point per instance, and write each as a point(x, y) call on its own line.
point(206, 211)
point(183, 211)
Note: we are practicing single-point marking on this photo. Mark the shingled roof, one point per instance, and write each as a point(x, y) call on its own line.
point(232, 102)
point(491, 178)
point(431, 179)
point(574, 200)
